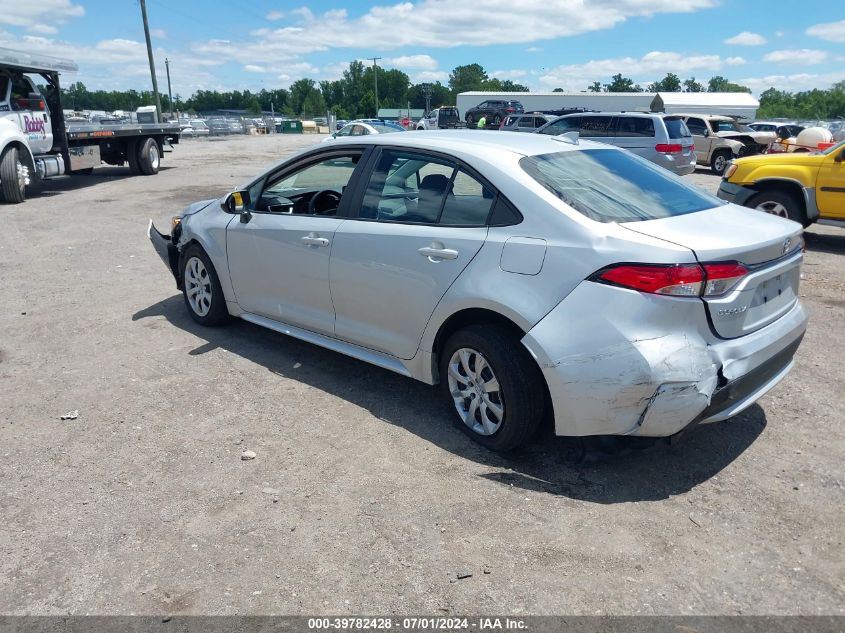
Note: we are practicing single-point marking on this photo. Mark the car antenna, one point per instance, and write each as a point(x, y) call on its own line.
point(567, 137)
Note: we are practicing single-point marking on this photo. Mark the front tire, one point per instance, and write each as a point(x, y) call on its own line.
point(493, 385)
point(13, 176)
point(781, 204)
point(470, 121)
point(201, 288)
point(719, 162)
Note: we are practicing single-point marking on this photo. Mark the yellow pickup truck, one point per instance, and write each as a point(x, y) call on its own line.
point(803, 187)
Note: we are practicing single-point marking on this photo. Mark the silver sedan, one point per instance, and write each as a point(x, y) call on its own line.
point(526, 274)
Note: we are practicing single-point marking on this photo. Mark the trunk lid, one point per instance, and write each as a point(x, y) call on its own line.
point(769, 246)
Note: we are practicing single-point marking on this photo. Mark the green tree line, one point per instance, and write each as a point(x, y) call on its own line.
point(353, 95)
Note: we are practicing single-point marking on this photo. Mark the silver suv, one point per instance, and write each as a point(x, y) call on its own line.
point(523, 273)
point(662, 139)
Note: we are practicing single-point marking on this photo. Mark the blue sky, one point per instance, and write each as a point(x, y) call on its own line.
point(541, 43)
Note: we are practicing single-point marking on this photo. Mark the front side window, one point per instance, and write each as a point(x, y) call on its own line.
point(597, 126)
point(315, 189)
point(526, 121)
point(414, 188)
point(610, 185)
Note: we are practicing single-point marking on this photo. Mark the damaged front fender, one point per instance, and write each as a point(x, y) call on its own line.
point(167, 250)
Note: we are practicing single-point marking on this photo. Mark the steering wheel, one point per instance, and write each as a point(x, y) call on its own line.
point(329, 195)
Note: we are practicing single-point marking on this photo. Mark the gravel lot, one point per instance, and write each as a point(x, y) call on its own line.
point(363, 497)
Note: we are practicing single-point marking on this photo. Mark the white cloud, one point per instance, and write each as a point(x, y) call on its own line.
point(424, 62)
point(746, 38)
point(508, 74)
point(735, 61)
point(832, 31)
point(653, 64)
point(779, 33)
point(275, 15)
point(158, 33)
point(253, 68)
point(533, 49)
point(804, 56)
point(422, 23)
point(44, 29)
point(793, 83)
point(30, 13)
point(429, 76)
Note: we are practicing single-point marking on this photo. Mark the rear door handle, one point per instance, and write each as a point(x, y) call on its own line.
point(314, 240)
point(436, 254)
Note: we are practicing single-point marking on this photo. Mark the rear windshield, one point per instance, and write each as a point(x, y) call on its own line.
point(448, 114)
point(610, 185)
point(676, 128)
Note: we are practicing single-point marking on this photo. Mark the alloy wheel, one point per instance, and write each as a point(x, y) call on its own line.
point(198, 286)
point(475, 391)
point(775, 208)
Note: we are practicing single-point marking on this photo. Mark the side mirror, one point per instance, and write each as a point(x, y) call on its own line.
point(840, 156)
point(237, 203)
point(706, 132)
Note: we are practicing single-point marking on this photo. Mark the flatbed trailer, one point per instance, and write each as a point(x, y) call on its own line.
point(36, 143)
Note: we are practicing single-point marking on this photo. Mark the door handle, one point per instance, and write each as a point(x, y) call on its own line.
point(435, 254)
point(314, 240)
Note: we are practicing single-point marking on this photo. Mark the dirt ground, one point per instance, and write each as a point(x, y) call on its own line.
point(363, 497)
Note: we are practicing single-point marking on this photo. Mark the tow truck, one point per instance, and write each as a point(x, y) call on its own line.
point(37, 144)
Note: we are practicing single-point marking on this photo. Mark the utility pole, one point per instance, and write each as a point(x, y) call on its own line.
point(375, 75)
point(150, 55)
point(427, 93)
point(169, 93)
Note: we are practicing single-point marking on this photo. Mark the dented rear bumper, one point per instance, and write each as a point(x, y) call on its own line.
point(166, 249)
point(619, 362)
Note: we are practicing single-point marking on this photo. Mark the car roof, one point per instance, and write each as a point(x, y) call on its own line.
point(701, 115)
point(475, 143)
point(620, 113)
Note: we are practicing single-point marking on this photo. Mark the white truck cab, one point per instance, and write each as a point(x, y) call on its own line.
point(36, 142)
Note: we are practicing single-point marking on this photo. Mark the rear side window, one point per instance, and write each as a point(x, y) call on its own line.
point(635, 126)
point(609, 185)
point(677, 128)
point(419, 189)
point(596, 126)
point(696, 126)
point(526, 121)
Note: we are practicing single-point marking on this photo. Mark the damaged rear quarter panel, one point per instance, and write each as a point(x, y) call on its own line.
point(636, 364)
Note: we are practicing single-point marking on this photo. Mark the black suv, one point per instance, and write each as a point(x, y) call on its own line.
point(494, 110)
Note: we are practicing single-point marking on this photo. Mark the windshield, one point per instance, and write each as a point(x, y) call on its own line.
point(610, 185)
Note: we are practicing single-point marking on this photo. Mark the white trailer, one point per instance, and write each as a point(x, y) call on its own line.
point(552, 101)
point(739, 105)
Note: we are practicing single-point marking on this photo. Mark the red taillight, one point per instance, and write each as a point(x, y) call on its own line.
point(677, 280)
point(669, 148)
point(692, 148)
point(722, 277)
point(682, 280)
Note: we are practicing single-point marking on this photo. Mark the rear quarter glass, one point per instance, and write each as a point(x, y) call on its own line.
point(609, 185)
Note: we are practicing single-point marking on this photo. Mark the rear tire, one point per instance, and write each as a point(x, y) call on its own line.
point(493, 386)
point(149, 157)
point(496, 120)
point(470, 121)
point(201, 288)
point(132, 157)
point(719, 162)
point(13, 176)
point(781, 204)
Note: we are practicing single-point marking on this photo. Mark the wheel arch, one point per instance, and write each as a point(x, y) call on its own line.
point(785, 185)
point(24, 151)
point(481, 316)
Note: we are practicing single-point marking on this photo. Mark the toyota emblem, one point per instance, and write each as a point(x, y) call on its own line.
point(786, 244)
